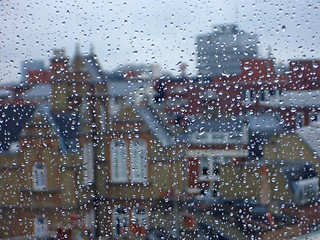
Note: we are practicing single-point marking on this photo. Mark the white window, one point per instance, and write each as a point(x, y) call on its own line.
point(300, 119)
point(252, 95)
point(207, 137)
point(120, 223)
point(14, 147)
point(262, 95)
point(138, 155)
point(114, 106)
point(84, 109)
point(119, 160)
point(248, 96)
point(140, 217)
point(272, 93)
point(307, 190)
point(88, 163)
point(39, 176)
point(40, 227)
point(209, 167)
point(90, 219)
point(103, 117)
point(314, 117)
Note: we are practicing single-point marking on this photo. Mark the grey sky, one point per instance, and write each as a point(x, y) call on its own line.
point(149, 31)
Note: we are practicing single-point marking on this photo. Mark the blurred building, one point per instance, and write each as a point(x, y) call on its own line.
point(211, 145)
point(80, 150)
point(46, 155)
point(220, 52)
point(31, 66)
point(137, 71)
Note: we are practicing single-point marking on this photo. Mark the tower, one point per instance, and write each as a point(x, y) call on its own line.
point(221, 51)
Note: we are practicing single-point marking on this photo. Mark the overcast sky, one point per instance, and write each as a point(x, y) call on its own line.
point(149, 31)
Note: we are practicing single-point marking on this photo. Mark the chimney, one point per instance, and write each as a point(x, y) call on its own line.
point(265, 187)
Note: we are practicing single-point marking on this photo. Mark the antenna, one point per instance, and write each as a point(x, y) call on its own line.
point(270, 55)
point(77, 49)
point(183, 68)
point(91, 49)
point(236, 10)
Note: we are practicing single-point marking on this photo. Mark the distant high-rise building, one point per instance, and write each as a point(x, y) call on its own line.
point(220, 52)
point(30, 65)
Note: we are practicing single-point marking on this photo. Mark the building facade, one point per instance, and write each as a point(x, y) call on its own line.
point(219, 53)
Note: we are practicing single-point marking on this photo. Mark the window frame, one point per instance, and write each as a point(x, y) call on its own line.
point(314, 117)
point(90, 219)
point(42, 229)
point(88, 163)
point(119, 171)
point(39, 176)
point(307, 190)
point(246, 95)
point(213, 165)
point(123, 220)
point(139, 165)
point(262, 95)
point(103, 118)
point(300, 120)
point(140, 220)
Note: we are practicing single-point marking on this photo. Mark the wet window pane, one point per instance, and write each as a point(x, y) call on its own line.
point(159, 119)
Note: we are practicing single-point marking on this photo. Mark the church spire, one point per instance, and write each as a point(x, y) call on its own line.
point(91, 50)
point(77, 53)
point(78, 60)
point(270, 55)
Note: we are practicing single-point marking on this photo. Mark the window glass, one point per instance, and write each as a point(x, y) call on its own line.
point(210, 166)
point(140, 216)
point(314, 117)
point(262, 95)
point(121, 222)
point(307, 190)
point(40, 227)
point(39, 176)
point(138, 154)
point(300, 119)
point(88, 163)
point(119, 160)
point(159, 119)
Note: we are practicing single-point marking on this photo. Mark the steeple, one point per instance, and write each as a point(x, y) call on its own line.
point(270, 55)
point(91, 53)
point(78, 60)
point(77, 53)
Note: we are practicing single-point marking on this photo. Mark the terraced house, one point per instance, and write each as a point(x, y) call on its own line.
point(87, 159)
point(84, 155)
point(141, 166)
point(46, 149)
